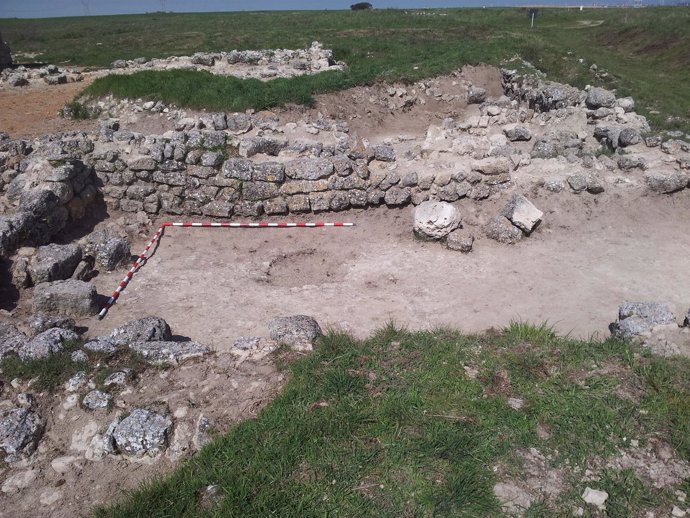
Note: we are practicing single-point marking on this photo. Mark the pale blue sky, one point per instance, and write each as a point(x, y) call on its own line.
point(49, 8)
point(54, 8)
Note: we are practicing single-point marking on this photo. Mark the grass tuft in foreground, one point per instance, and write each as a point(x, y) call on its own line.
point(418, 424)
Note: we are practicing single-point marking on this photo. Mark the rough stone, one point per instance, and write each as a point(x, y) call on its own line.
point(169, 353)
point(11, 339)
point(147, 329)
point(142, 432)
point(628, 137)
point(54, 262)
point(309, 168)
point(518, 134)
point(384, 153)
point(435, 219)
point(108, 249)
point(70, 298)
point(599, 97)
point(269, 172)
point(46, 343)
point(96, 400)
point(40, 323)
point(638, 318)
point(396, 196)
point(101, 345)
point(595, 497)
point(20, 431)
point(522, 213)
point(460, 240)
point(239, 123)
point(667, 182)
point(299, 332)
point(476, 95)
point(492, 166)
point(577, 182)
point(502, 230)
point(238, 168)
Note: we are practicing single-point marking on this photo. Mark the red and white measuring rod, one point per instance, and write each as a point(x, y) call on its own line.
point(205, 224)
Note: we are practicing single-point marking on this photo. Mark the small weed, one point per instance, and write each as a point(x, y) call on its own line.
point(49, 373)
point(76, 111)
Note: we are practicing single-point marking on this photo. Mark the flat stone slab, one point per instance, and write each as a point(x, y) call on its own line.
point(70, 298)
point(169, 353)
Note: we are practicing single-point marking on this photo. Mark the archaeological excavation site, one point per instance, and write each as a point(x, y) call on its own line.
point(173, 279)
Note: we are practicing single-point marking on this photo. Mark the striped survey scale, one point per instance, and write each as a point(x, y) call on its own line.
point(206, 224)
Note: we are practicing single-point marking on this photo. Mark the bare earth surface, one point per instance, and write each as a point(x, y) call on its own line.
point(32, 112)
point(589, 254)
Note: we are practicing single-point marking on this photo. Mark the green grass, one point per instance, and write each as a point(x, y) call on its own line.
point(393, 426)
point(645, 51)
point(49, 373)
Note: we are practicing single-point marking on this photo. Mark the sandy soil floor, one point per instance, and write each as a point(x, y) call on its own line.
point(588, 255)
point(32, 112)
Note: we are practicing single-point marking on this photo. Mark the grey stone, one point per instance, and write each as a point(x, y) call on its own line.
point(96, 400)
point(239, 123)
point(238, 168)
point(577, 182)
point(626, 163)
point(275, 206)
point(492, 166)
point(20, 431)
point(638, 318)
point(11, 339)
point(667, 182)
point(435, 219)
point(147, 329)
point(546, 148)
point(248, 208)
point(40, 323)
point(502, 230)
point(118, 378)
point(69, 298)
point(409, 180)
point(384, 153)
point(54, 262)
point(255, 191)
point(143, 164)
point(251, 146)
point(654, 141)
point(217, 209)
point(460, 240)
point(522, 213)
point(108, 249)
point(142, 432)
point(101, 345)
point(300, 203)
point(599, 97)
point(299, 332)
point(309, 168)
point(204, 59)
point(396, 196)
point(211, 159)
point(594, 184)
point(340, 201)
point(46, 343)
point(476, 95)
point(79, 357)
point(169, 353)
point(628, 137)
point(17, 80)
point(517, 134)
point(269, 172)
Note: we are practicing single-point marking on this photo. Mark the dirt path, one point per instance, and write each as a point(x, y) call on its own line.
point(32, 112)
point(587, 257)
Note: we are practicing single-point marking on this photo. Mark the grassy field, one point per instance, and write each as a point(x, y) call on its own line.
point(418, 424)
point(646, 51)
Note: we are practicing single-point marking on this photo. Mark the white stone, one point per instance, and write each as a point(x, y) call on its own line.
point(50, 496)
point(595, 497)
point(522, 213)
point(62, 464)
point(20, 481)
point(436, 219)
point(677, 511)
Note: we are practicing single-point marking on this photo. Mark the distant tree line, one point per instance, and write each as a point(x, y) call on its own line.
point(360, 6)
